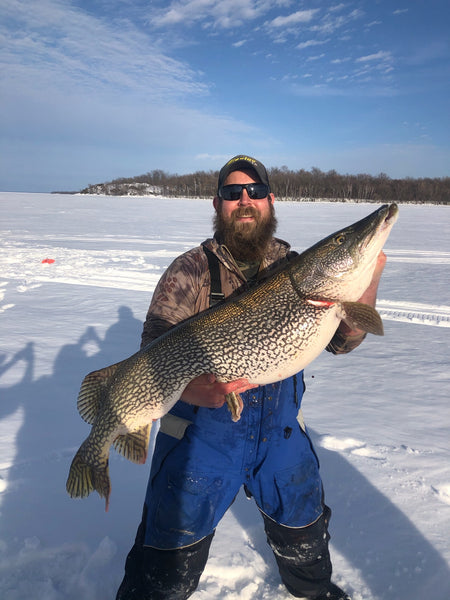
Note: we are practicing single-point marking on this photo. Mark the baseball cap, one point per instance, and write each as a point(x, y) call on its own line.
point(242, 161)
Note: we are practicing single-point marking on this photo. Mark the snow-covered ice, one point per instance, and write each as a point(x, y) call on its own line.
point(379, 417)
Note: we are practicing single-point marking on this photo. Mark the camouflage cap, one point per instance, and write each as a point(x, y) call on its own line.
point(242, 161)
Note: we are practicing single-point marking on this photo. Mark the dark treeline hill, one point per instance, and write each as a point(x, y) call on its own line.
point(287, 185)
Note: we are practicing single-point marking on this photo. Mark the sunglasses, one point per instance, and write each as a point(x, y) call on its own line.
point(255, 191)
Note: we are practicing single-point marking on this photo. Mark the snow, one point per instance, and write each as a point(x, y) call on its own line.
point(379, 417)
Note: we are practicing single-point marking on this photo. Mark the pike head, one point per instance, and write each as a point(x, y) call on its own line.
point(340, 267)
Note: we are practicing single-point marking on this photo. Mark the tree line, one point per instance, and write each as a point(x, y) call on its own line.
point(287, 185)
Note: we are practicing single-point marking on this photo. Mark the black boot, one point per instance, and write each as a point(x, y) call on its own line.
point(303, 558)
point(333, 593)
point(153, 574)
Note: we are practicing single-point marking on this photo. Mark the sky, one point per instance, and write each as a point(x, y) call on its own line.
point(93, 90)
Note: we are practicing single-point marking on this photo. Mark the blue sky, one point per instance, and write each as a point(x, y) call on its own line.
point(92, 90)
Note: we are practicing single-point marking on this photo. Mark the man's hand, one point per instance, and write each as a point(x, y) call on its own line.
point(206, 391)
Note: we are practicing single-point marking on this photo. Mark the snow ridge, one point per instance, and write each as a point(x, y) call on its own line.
point(414, 312)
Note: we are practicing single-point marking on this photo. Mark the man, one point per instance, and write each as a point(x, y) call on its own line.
point(201, 457)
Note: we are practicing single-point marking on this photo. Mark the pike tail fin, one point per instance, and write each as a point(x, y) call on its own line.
point(362, 316)
point(134, 445)
point(93, 390)
point(84, 479)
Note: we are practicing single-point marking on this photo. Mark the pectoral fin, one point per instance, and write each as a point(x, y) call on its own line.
point(134, 445)
point(362, 316)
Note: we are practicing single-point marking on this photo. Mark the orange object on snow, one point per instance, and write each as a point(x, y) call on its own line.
point(48, 261)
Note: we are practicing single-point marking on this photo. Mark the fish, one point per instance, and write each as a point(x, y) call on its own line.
point(266, 334)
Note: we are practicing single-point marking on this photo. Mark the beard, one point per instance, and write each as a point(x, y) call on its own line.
point(247, 242)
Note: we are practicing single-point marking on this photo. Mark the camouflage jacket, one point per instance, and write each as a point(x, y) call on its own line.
point(184, 289)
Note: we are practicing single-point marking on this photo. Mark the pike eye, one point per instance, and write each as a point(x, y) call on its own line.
point(340, 239)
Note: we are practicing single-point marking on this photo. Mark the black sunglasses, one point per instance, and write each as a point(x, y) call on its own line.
point(255, 191)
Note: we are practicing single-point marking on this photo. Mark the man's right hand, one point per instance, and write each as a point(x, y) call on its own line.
point(206, 391)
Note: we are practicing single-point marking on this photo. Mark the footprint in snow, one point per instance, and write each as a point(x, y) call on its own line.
point(27, 286)
point(353, 446)
point(333, 443)
point(443, 492)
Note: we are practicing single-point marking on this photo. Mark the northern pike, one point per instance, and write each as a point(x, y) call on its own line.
point(264, 335)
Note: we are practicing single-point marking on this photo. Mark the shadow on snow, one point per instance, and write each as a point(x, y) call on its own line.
point(367, 529)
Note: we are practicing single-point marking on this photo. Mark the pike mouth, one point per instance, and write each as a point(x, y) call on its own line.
point(387, 216)
point(391, 216)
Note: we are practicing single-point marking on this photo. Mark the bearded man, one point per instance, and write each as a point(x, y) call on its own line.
point(202, 458)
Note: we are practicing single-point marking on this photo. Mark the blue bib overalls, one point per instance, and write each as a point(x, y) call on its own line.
point(197, 470)
point(195, 479)
point(200, 461)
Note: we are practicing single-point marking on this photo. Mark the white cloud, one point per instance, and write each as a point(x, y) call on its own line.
point(51, 45)
point(378, 56)
point(227, 13)
point(373, 24)
point(184, 12)
point(354, 89)
point(301, 16)
point(310, 43)
point(316, 57)
point(212, 13)
point(171, 17)
point(330, 23)
point(339, 61)
point(337, 7)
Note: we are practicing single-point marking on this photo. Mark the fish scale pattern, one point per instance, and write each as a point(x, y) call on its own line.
point(270, 332)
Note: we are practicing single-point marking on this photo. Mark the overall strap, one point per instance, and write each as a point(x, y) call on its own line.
point(215, 294)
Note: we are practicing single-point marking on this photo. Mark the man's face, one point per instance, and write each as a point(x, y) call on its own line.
point(244, 211)
point(245, 226)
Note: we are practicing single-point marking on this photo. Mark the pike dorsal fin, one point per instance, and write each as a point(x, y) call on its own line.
point(134, 445)
point(93, 390)
point(362, 316)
